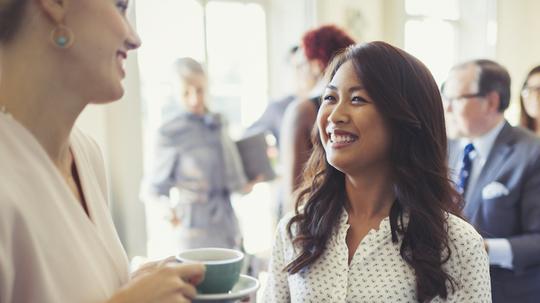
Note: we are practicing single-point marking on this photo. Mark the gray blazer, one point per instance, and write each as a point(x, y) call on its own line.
point(511, 211)
point(191, 154)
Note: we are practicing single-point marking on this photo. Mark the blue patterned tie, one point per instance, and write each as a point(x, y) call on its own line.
point(466, 168)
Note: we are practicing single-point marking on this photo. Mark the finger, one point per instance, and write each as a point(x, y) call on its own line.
point(187, 290)
point(190, 271)
point(144, 268)
point(196, 280)
point(181, 299)
point(168, 260)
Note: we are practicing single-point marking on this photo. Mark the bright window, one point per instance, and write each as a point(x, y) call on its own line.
point(445, 9)
point(229, 37)
point(431, 33)
point(433, 41)
point(237, 61)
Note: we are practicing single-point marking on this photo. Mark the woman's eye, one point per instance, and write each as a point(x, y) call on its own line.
point(358, 100)
point(122, 6)
point(329, 98)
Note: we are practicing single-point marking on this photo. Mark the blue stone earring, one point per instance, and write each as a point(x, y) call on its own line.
point(62, 36)
point(61, 41)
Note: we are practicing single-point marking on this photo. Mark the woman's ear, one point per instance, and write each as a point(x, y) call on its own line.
point(56, 10)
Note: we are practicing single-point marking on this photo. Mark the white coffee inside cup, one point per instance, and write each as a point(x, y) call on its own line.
point(210, 255)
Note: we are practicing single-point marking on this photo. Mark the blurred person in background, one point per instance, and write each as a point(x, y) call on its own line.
point(496, 168)
point(196, 167)
point(530, 101)
point(317, 47)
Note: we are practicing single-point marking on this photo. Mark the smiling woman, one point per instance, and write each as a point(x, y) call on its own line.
point(377, 215)
point(58, 241)
point(352, 126)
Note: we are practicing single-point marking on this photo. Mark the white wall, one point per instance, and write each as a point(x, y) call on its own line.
point(518, 48)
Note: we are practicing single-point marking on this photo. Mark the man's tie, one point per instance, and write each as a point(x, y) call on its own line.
point(466, 169)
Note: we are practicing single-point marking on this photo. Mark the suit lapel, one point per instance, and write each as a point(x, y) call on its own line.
point(500, 151)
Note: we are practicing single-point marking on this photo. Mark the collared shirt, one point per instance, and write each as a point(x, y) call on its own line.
point(377, 272)
point(500, 251)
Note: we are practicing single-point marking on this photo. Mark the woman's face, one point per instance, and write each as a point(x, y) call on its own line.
point(355, 136)
point(193, 93)
point(102, 39)
point(531, 95)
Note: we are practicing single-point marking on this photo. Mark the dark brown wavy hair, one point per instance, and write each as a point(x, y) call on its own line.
point(525, 120)
point(408, 98)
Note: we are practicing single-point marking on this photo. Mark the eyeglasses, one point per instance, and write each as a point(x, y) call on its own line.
point(528, 90)
point(462, 97)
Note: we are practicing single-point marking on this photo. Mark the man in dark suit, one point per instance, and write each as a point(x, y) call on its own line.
point(497, 169)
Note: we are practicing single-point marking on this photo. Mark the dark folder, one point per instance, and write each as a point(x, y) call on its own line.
point(253, 151)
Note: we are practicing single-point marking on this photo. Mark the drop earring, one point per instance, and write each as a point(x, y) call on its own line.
point(62, 36)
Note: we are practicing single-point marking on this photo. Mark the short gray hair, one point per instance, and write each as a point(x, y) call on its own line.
point(186, 66)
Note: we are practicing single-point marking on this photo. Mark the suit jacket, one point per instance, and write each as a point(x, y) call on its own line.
point(513, 214)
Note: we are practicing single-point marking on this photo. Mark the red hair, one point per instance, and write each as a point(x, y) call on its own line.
point(324, 42)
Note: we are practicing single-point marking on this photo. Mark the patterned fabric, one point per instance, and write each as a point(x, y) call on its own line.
point(466, 169)
point(377, 272)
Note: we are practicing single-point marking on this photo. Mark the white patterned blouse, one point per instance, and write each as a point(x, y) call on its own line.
point(377, 272)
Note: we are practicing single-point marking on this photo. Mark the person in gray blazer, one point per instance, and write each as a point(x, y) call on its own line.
point(496, 167)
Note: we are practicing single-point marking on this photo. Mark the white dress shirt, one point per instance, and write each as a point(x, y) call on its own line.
point(377, 272)
point(500, 251)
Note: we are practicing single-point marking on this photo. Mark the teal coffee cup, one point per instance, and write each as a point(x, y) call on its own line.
point(222, 267)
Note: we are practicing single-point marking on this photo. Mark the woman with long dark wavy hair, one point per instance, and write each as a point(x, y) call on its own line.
point(530, 101)
point(377, 219)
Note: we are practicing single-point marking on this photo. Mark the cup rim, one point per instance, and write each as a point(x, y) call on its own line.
point(211, 262)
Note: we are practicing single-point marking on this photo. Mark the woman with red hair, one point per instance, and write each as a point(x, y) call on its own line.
point(317, 48)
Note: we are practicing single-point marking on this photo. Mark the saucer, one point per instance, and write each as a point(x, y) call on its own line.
point(245, 286)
